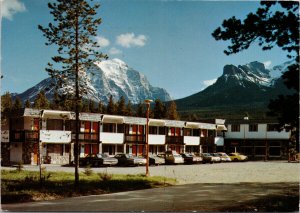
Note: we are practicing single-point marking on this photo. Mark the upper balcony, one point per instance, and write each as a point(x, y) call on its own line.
point(55, 136)
point(156, 139)
point(87, 137)
point(140, 139)
point(174, 140)
point(191, 140)
point(111, 138)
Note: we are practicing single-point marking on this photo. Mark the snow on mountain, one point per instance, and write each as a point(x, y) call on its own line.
point(111, 77)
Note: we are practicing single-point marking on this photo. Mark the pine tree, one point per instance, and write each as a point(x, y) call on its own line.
point(101, 108)
point(111, 106)
point(129, 111)
point(73, 31)
point(92, 106)
point(17, 104)
point(27, 104)
point(56, 101)
point(159, 111)
point(140, 111)
point(121, 106)
point(172, 113)
point(6, 107)
point(41, 101)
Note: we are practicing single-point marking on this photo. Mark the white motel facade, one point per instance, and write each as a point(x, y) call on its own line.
point(52, 133)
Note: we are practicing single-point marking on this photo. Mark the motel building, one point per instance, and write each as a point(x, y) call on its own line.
point(258, 139)
point(31, 133)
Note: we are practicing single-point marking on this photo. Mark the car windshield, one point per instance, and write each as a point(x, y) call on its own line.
point(104, 155)
point(176, 155)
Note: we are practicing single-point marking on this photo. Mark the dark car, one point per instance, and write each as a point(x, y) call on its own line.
point(130, 160)
point(98, 160)
point(187, 157)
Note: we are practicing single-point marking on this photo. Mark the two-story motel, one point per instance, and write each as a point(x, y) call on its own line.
point(50, 133)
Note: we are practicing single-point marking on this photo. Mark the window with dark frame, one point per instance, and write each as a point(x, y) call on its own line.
point(253, 127)
point(235, 127)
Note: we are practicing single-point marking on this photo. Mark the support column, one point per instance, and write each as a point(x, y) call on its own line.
point(124, 148)
point(100, 147)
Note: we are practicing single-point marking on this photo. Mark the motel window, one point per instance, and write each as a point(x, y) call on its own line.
point(161, 130)
point(253, 128)
point(120, 128)
point(70, 125)
point(203, 133)
point(153, 130)
point(188, 132)
point(211, 133)
point(272, 127)
point(109, 127)
point(196, 132)
point(55, 124)
point(235, 128)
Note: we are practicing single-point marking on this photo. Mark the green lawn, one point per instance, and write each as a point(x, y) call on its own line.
point(24, 186)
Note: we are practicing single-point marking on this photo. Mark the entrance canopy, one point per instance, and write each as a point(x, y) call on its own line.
point(221, 128)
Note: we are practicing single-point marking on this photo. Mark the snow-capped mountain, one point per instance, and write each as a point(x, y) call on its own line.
point(112, 77)
point(250, 84)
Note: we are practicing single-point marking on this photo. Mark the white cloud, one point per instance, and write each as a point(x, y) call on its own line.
point(114, 51)
point(267, 64)
point(130, 40)
point(207, 83)
point(102, 41)
point(11, 7)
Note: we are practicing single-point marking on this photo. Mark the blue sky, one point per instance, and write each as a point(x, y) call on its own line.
point(169, 41)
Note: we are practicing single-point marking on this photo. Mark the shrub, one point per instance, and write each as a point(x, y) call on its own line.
point(105, 176)
point(88, 170)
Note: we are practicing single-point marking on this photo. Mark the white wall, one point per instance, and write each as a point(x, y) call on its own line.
point(111, 138)
point(261, 133)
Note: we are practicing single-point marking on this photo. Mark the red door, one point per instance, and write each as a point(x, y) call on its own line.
point(95, 149)
point(87, 148)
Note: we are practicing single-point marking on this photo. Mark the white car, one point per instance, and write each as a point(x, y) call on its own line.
point(224, 157)
point(172, 157)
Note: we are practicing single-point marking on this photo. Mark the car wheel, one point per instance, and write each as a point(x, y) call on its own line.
point(235, 160)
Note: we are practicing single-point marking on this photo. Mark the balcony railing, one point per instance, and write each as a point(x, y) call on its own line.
point(88, 137)
point(174, 140)
point(135, 138)
point(55, 136)
point(24, 136)
point(207, 140)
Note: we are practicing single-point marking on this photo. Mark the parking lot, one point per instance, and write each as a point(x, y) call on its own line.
point(233, 172)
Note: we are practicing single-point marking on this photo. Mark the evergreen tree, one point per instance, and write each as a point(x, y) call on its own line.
point(27, 104)
point(72, 31)
point(129, 111)
point(101, 108)
point(159, 111)
point(121, 106)
point(92, 106)
point(56, 101)
point(17, 104)
point(85, 107)
point(140, 111)
point(111, 106)
point(6, 107)
point(274, 23)
point(172, 113)
point(41, 101)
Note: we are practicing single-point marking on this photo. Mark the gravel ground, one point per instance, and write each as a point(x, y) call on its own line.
point(241, 172)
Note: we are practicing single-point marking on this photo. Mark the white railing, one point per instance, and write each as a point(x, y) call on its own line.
point(191, 140)
point(55, 136)
point(5, 136)
point(157, 139)
point(111, 138)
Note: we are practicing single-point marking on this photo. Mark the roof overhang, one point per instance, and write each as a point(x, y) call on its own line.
point(113, 119)
point(221, 128)
point(192, 125)
point(207, 126)
point(54, 114)
point(156, 122)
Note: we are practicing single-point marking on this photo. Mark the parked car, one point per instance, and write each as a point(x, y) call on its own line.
point(190, 158)
point(224, 157)
point(235, 156)
point(209, 158)
point(172, 157)
point(130, 160)
point(187, 157)
point(98, 160)
point(154, 159)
